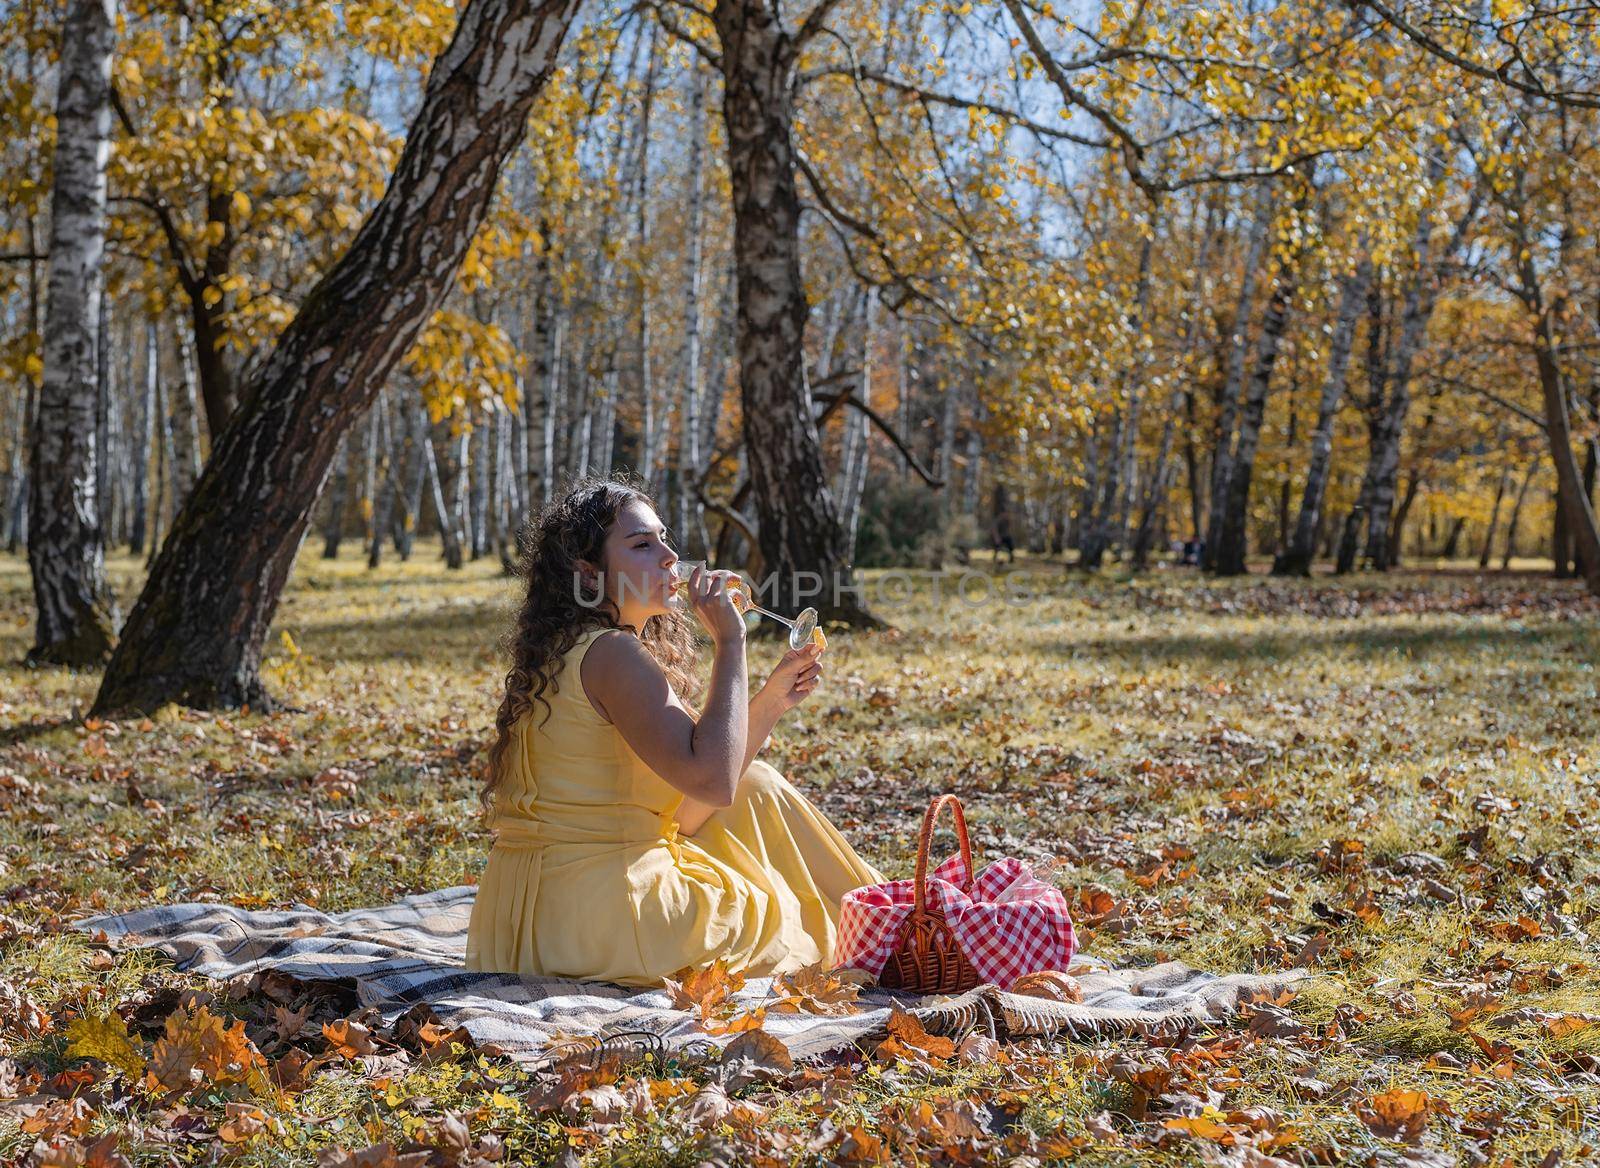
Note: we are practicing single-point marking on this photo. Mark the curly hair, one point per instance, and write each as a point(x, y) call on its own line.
point(551, 618)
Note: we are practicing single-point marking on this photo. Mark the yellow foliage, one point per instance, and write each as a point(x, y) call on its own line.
point(104, 1038)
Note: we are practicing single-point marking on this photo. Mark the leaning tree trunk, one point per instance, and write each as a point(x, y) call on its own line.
point(441, 512)
point(66, 548)
point(197, 631)
point(802, 539)
point(1514, 524)
point(1296, 559)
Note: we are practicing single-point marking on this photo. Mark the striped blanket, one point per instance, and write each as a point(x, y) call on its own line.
point(408, 953)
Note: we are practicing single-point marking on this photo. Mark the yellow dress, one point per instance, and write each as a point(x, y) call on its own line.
point(590, 878)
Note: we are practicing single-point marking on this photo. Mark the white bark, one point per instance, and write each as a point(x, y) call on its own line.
point(691, 513)
point(66, 548)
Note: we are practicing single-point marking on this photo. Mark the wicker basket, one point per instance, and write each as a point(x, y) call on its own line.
point(927, 958)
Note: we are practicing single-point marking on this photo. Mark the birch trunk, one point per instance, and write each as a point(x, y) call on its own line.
point(416, 423)
point(1296, 559)
point(1233, 537)
point(333, 528)
point(651, 436)
point(448, 535)
point(161, 493)
point(105, 462)
point(197, 631)
point(382, 473)
point(857, 483)
point(186, 460)
point(17, 521)
point(1416, 310)
point(605, 426)
point(66, 551)
point(482, 463)
point(946, 455)
point(537, 429)
point(1160, 478)
point(1233, 383)
point(143, 434)
point(692, 532)
point(969, 483)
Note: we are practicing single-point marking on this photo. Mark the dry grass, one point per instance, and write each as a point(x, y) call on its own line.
point(1392, 781)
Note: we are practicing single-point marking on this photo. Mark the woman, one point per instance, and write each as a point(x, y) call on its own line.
point(636, 837)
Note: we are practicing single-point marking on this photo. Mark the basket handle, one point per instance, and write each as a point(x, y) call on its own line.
point(926, 838)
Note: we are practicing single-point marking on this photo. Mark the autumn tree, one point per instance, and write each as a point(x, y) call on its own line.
point(196, 633)
point(66, 550)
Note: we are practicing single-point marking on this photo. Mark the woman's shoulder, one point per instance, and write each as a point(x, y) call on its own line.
point(610, 644)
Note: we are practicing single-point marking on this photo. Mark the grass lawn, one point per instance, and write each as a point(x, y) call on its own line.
point(1392, 781)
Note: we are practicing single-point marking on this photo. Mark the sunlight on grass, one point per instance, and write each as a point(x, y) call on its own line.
point(1390, 782)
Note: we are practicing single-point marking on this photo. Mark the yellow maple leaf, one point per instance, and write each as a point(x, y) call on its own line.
point(105, 1039)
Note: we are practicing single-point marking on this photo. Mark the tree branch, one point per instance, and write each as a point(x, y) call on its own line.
point(847, 397)
point(1015, 117)
point(1500, 73)
point(678, 32)
point(812, 24)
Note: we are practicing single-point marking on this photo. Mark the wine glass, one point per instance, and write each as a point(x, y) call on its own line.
point(800, 628)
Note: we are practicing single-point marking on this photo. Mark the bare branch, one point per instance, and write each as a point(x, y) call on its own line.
point(1005, 113)
point(812, 24)
point(847, 397)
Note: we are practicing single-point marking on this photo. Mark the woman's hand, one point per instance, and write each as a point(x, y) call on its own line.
point(708, 599)
point(793, 679)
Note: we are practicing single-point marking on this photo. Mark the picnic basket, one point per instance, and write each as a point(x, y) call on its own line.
point(927, 958)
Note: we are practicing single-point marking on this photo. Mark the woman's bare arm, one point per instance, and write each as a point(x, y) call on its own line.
point(704, 759)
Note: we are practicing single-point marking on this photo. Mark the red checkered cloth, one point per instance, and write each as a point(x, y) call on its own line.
point(1010, 924)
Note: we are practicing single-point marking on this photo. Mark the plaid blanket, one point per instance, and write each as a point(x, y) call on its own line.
point(410, 952)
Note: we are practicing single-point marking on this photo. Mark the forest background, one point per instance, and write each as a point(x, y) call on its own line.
point(304, 306)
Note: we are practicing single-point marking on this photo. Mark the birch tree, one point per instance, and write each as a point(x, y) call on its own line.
point(66, 550)
point(197, 631)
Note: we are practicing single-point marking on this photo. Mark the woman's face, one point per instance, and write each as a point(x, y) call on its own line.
point(637, 561)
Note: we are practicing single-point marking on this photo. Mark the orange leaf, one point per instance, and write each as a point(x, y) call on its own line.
point(347, 1038)
point(738, 1024)
point(1399, 1114)
point(703, 989)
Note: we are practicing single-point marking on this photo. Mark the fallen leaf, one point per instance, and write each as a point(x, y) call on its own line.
point(1399, 1114)
point(704, 990)
point(243, 1122)
point(755, 1056)
point(815, 990)
point(105, 1039)
point(348, 1038)
point(908, 1039)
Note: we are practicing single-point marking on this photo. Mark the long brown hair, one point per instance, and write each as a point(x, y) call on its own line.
point(552, 618)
